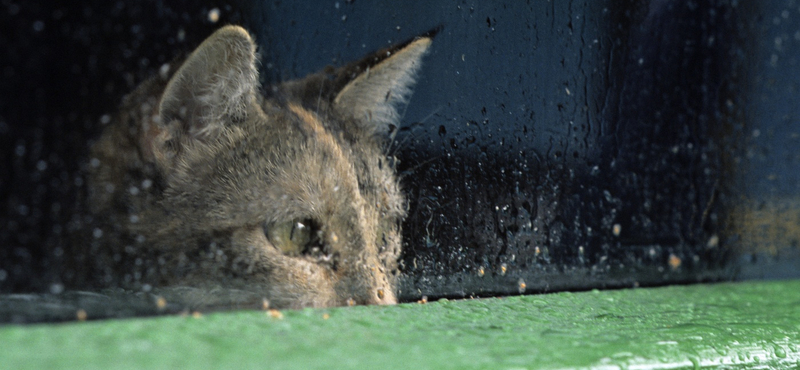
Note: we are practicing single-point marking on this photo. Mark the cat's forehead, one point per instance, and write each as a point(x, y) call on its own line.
point(307, 120)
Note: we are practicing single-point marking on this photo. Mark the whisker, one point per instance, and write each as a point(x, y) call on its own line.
point(401, 145)
point(411, 170)
point(398, 146)
point(435, 111)
point(319, 98)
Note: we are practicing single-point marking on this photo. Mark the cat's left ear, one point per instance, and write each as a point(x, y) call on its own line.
point(372, 96)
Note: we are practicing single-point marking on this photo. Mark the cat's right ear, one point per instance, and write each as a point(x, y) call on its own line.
point(372, 88)
point(214, 86)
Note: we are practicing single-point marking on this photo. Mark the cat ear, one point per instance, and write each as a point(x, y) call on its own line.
point(372, 96)
point(214, 85)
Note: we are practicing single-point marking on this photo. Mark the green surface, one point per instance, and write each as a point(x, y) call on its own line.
point(741, 325)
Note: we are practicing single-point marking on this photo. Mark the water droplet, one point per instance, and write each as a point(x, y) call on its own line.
point(163, 72)
point(161, 303)
point(213, 15)
point(38, 26)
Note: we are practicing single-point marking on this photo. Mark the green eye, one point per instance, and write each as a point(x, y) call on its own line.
point(292, 238)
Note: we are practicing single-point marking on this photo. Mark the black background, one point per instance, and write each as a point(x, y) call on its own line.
point(563, 144)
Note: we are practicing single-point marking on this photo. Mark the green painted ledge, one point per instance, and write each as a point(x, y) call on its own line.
point(729, 326)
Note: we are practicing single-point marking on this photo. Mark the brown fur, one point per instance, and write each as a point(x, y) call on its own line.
point(201, 181)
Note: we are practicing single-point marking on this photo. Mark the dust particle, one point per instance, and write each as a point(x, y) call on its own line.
point(713, 241)
point(674, 262)
point(161, 303)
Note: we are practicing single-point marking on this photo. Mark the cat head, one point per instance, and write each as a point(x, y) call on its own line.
point(289, 190)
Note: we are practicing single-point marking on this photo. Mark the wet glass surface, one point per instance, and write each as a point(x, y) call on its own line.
point(547, 146)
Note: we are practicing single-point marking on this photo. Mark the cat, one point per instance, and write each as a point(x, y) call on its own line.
point(203, 179)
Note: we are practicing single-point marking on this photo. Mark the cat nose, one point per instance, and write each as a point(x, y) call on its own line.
point(369, 296)
point(379, 297)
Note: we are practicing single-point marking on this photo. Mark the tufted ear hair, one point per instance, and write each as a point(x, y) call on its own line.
point(214, 86)
point(372, 95)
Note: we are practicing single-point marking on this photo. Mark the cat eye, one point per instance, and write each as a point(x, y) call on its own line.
point(293, 238)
